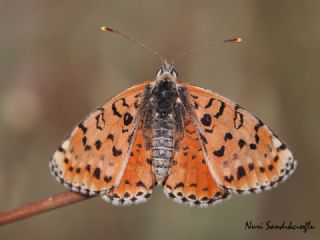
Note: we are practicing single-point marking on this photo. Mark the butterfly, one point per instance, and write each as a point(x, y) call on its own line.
point(200, 146)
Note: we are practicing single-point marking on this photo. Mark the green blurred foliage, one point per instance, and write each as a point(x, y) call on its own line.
point(56, 66)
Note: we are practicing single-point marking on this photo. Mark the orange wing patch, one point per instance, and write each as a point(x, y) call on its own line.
point(244, 155)
point(138, 179)
point(93, 158)
point(189, 180)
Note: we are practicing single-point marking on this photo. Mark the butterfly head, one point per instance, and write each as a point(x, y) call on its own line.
point(167, 72)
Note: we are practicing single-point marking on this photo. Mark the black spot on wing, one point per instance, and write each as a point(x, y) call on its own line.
point(127, 182)
point(124, 103)
point(228, 179)
point(96, 173)
point(206, 120)
point(83, 128)
point(115, 110)
point(149, 161)
point(241, 172)
point(84, 140)
point(270, 167)
point(98, 144)
point(253, 146)
point(114, 107)
point(217, 194)
point(257, 138)
point(258, 125)
point(88, 167)
point(179, 185)
point(228, 136)
point(141, 184)
point(221, 109)
point(192, 196)
point(281, 147)
point(107, 179)
point(209, 130)
point(126, 195)
point(262, 169)
point(100, 122)
point(241, 143)
point(137, 95)
point(116, 152)
point(209, 104)
point(237, 106)
point(125, 130)
point(251, 166)
point(147, 195)
point(194, 96)
point(110, 137)
point(127, 120)
point(219, 152)
point(87, 148)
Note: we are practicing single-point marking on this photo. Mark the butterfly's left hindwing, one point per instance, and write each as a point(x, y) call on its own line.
point(243, 154)
point(94, 157)
point(138, 179)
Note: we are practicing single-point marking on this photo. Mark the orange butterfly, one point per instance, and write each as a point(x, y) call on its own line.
point(200, 146)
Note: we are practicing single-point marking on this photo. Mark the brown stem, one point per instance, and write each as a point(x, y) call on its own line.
point(44, 205)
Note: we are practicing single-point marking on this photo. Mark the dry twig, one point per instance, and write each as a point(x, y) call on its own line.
point(44, 205)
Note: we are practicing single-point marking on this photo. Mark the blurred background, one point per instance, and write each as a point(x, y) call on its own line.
point(56, 66)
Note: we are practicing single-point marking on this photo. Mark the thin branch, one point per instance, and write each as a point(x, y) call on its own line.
point(41, 206)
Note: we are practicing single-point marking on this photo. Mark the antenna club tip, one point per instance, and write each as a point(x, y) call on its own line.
point(238, 40)
point(234, 40)
point(106, 29)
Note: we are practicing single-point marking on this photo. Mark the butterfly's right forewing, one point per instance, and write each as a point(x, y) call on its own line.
point(244, 155)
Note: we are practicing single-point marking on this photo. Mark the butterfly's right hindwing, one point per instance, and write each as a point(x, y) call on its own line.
point(190, 180)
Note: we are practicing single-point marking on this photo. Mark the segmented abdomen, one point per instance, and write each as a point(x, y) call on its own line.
point(162, 146)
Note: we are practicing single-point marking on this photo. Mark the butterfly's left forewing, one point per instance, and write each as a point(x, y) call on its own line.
point(244, 155)
point(94, 157)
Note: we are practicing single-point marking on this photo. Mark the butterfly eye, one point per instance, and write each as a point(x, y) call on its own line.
point(159, 72)
point(174, 72)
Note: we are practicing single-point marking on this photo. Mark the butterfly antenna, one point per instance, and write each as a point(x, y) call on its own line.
point(203, 46)
point(108, 29)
